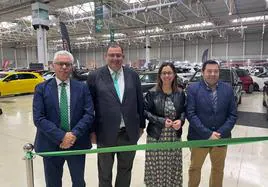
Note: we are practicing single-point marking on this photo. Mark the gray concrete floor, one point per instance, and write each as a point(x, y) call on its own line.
point(246, 165)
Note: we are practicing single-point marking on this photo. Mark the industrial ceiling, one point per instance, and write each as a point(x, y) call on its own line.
point(131, 20)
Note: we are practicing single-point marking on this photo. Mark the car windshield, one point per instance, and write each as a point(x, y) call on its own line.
point(3, 75)
point(242, 73)
point(148, 78)
point(224, 76)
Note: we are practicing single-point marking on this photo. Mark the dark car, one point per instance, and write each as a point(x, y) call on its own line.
point(226, 75)
point(149, 80)
point(265, 97)
point(246, 79)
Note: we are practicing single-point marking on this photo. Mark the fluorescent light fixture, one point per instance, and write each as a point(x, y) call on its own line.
point(7, 25)
point(196, 25)
point(250, 19)
point(85, 38)
point(237, 28)
point(133, 1)
point(156, 30)
point(78, 9)
point(115, 35)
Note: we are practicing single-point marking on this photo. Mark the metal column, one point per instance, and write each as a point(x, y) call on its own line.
point(29, 164)
point(147, 51)
point(42, 46)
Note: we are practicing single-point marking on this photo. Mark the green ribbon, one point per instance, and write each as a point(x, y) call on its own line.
point(162, 146)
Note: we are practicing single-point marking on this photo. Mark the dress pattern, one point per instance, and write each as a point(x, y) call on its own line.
point(163, 168)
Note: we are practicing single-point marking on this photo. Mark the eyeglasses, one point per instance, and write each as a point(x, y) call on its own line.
point(66, 64)
point(167, 73)
point(112, 55)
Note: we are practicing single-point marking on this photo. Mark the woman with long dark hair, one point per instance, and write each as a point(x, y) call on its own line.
point(164, 108)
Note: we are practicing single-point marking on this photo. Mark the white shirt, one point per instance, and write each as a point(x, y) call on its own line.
point(121, 81)
point(67, 86)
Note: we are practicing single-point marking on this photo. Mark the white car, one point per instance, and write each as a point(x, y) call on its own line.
point(259, 80)
point(48, 75)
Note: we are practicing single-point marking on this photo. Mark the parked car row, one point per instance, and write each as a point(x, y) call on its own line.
point(227, 75)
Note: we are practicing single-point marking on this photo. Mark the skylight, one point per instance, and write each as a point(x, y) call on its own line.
point(78, 9)
point(250, 19)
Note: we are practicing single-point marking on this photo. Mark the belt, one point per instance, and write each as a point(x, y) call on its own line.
point(122, 129)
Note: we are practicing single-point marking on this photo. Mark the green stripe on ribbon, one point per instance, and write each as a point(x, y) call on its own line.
point(165, 145)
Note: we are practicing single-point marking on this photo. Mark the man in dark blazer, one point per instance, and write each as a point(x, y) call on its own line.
point(212, 113)
point(63, 115)
point(118, 101)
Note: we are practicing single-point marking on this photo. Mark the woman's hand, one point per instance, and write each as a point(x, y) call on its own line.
point(176, 124)
point(168, 123)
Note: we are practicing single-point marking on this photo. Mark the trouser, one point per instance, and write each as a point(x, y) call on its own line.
point(53, 167)
point(124, 164)
point(217, 158)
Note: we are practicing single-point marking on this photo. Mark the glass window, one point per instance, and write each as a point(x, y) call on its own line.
point(11, 78)
point(3, 75)
point(26, 76)
point(149, 78)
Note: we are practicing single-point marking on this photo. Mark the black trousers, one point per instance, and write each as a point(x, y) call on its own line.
point(124, 164)
point(53, 167)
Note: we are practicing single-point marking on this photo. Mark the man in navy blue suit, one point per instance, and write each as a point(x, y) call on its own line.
point(63, 115)
point(212, 113)
point(118, 101)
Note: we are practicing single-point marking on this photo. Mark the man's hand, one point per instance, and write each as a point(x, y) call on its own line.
point(176, 124)
point(68, 140)
point(168, 123)
point(93, 138)
point(215, 136)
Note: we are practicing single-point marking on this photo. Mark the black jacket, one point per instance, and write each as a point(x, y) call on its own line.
point(154, 104)
point(109, 109)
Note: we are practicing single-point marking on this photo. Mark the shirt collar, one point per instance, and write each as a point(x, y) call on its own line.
point(59, 81)
point(112, 71)
point(207, 86)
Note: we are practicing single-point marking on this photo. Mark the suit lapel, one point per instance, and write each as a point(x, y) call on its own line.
point(73, 98)
point(106, 76)
point(126, 79)
point(53, 88)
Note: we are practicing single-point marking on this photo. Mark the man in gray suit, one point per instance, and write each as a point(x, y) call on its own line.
point(117, 95)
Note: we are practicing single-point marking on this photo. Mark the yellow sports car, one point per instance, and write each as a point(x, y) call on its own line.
point(12, 83)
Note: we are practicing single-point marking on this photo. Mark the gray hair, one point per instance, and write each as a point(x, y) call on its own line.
point(65, 53)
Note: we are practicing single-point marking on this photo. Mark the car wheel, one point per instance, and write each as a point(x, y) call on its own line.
point(256, 87)
point(250, 88)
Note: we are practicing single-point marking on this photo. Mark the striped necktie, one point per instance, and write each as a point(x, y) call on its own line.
point(214, 99)
point(115, 76)
point(64, 108)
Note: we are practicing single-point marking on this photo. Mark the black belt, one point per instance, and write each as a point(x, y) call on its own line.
point(122, 129)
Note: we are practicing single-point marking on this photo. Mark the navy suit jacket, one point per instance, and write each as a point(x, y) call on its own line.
point(46, 115)
point(203, 120)
point(108, 108)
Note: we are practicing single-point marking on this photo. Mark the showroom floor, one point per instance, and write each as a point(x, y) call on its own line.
point(246, 165)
